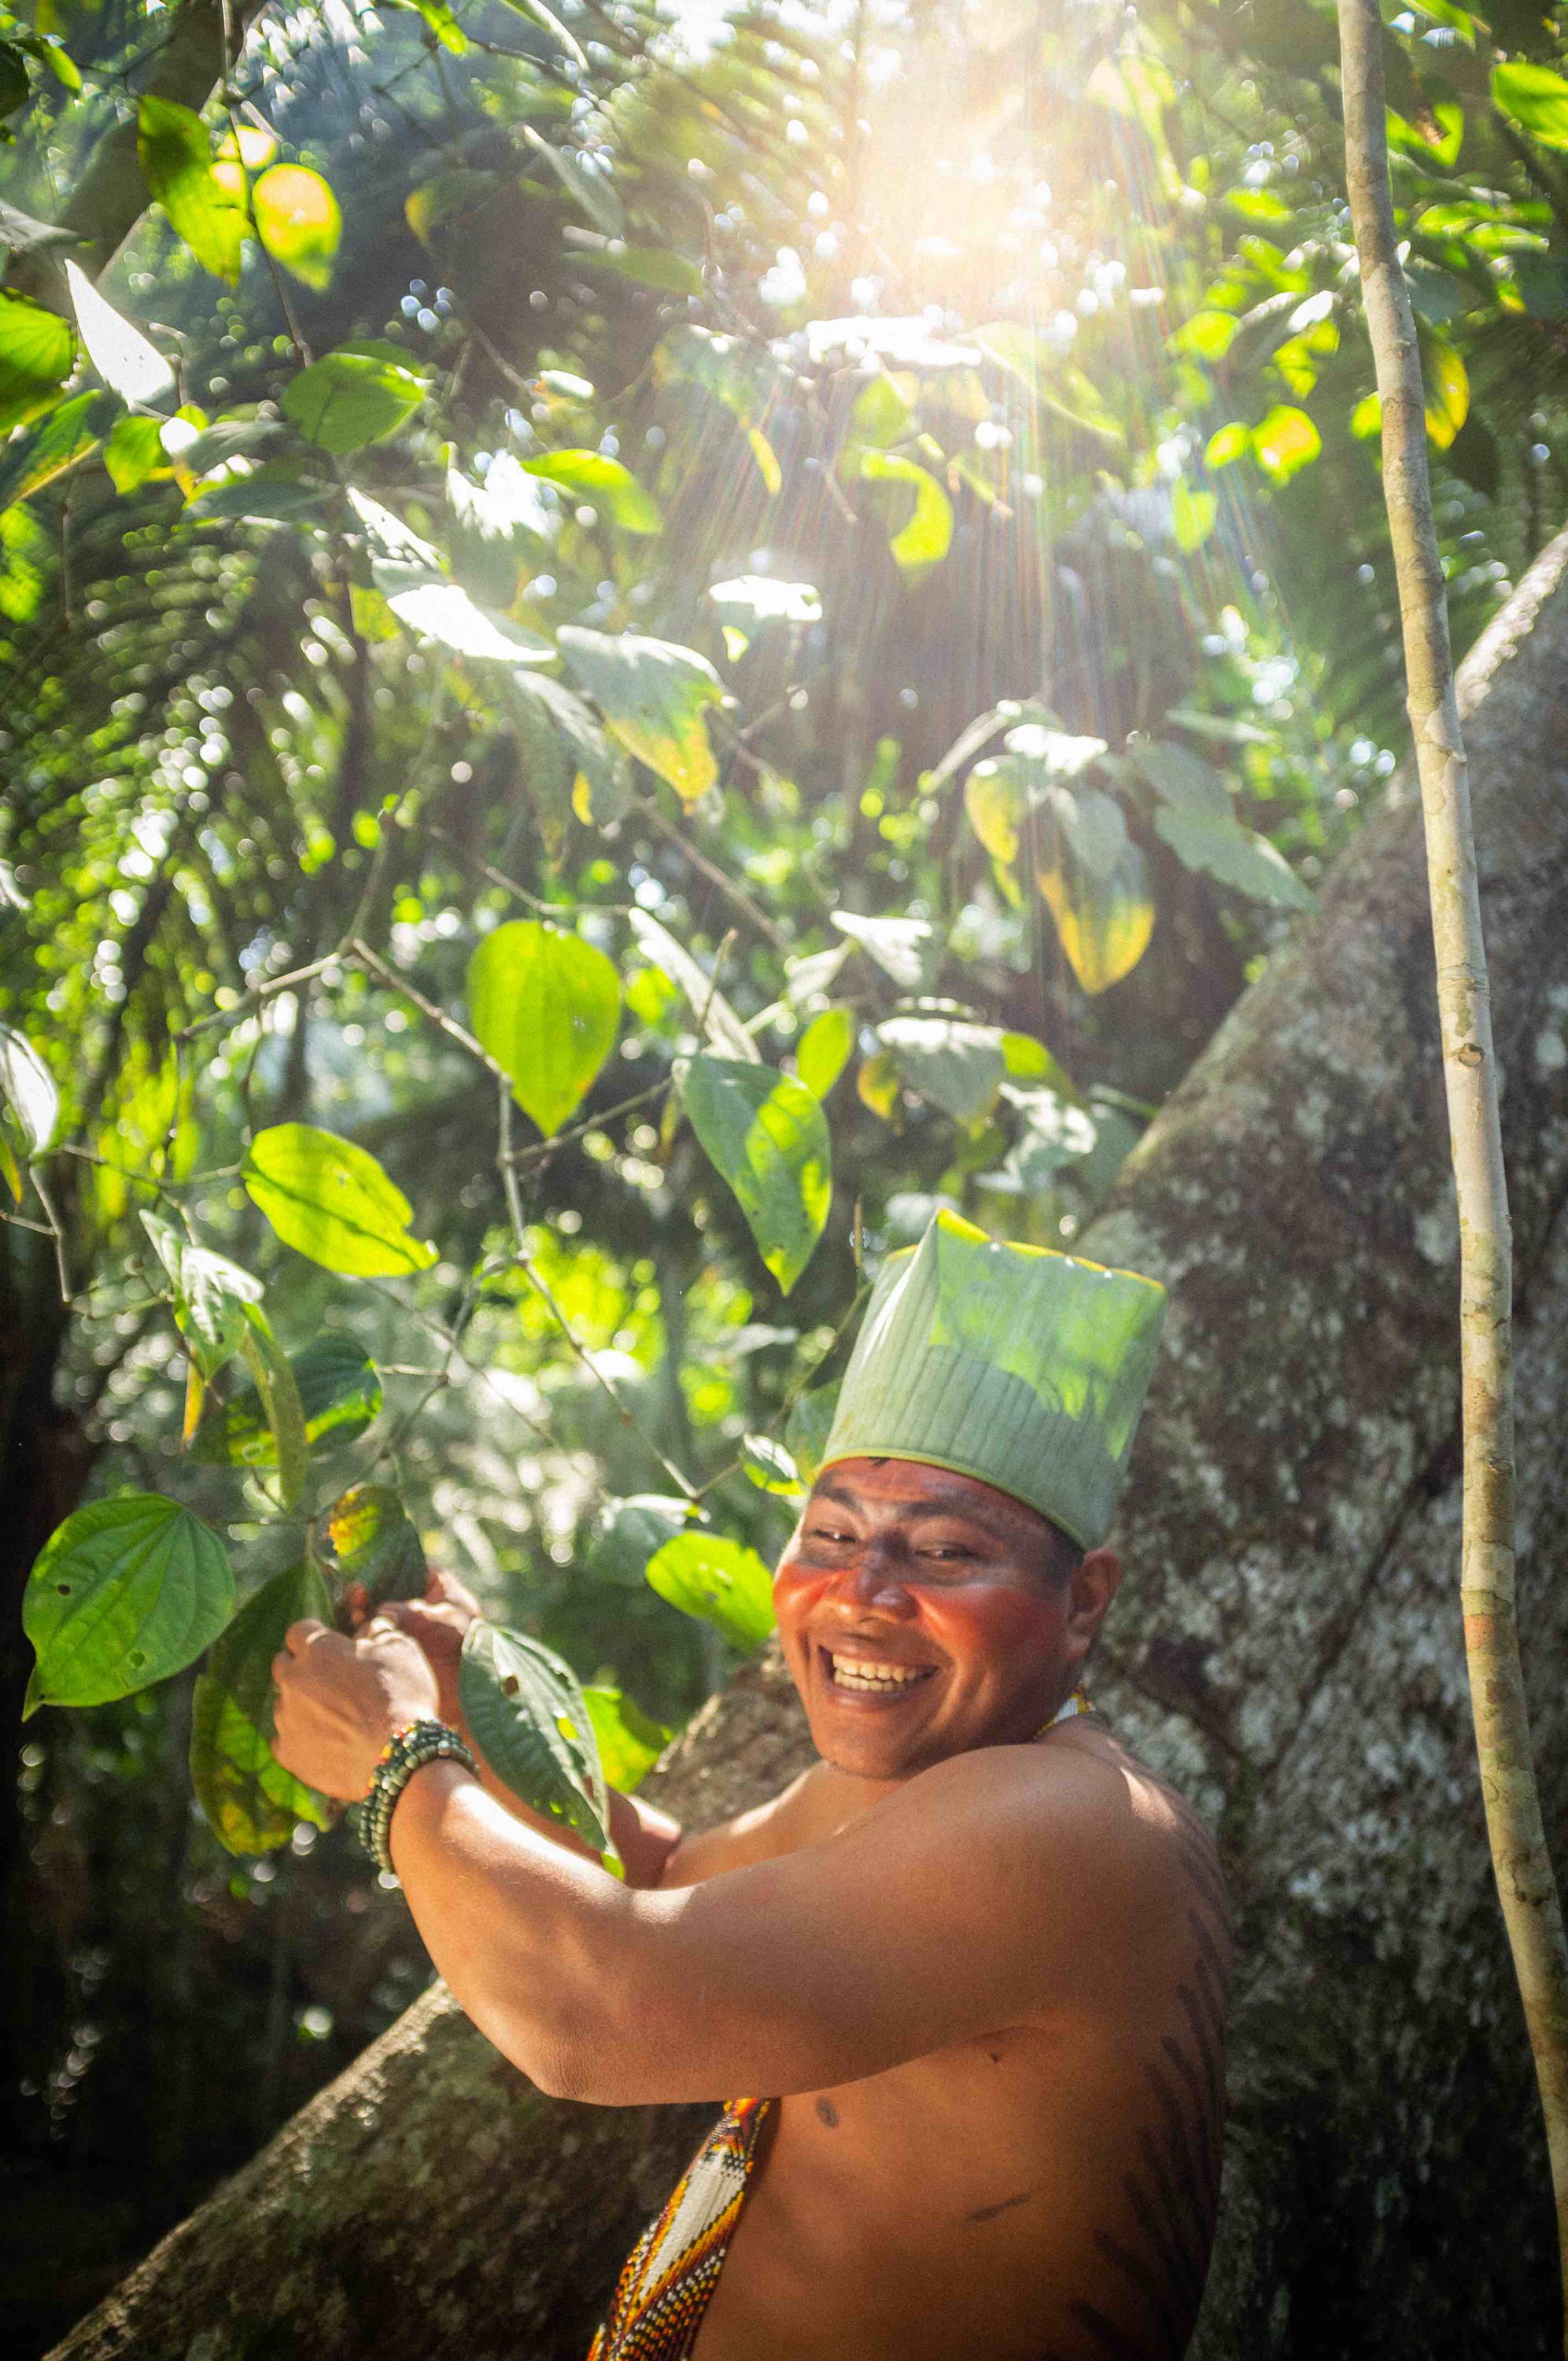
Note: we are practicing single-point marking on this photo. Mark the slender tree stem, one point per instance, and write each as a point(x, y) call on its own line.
point(1526, 1886)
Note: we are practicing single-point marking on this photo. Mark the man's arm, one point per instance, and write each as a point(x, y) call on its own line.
point(975, 1897)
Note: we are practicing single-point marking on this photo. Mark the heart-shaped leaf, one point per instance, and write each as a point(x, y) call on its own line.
point(629, 1742)
point(630, 1531)
point(546, 1007)
point(956, 1066)
point(127, 1591)
point(592, 476)
point(299, 222)
point(210, 1295)
point(339, 1392)
point(651, 694)
point(250, 1801)
point(722, 1582)
point(526, 1713)
point(368, 1538)
point(330, 1201)
point(1104, 922)
point(205, 202)
point(1219, 844)
point(354, 396)
point(768, 1137)
point(770, 1466)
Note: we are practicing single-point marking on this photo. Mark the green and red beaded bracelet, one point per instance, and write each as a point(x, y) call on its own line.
point(406, 1751)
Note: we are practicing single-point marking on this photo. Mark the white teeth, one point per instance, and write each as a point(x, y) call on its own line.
point(856, 1672)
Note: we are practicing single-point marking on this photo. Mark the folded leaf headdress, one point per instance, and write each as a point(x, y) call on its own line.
point(1020, 1367)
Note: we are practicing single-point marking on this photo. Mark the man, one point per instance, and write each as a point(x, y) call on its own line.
point(975, 1959)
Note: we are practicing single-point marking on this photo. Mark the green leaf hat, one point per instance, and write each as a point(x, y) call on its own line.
point(1023, 1367)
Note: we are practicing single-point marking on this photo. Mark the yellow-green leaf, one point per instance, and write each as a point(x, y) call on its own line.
point(629, 1743)
point(824, 1049)
point(330, 1200)
point(651, 694)
point(274, 1381)
point(36, 352)
point(591, 477)
point(1447, 390)
point(1535, 98)
point(127, 1591)
point(1285, 442)
point(768, 1137)
point(210, 1295)
point(720, 1581)
point(299, 222)
point(251, 1802)
point(206, 205)
point(368, 1538)
point(546, 1007)
point(354, 396)
point(1105, 921)
point(925, 537)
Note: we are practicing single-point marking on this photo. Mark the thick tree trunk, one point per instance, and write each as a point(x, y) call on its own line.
point(1287, 1647)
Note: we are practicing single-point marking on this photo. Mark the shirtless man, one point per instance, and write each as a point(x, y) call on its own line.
point(976, 1956)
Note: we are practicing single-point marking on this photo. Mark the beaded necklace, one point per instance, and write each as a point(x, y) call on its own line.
point(1076, 1704)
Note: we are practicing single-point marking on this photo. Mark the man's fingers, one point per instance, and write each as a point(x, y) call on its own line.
point(303, 1634)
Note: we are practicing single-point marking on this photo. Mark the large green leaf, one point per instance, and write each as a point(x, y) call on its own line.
point(1238, 856)
point(909, 951)
point(339, 1392)
point(768, 1137)
point(29, 1089)
point(368, 1538)
point(354, 396)
point(331, 1200)
point(125, 1593)
point(555, 727)
point(629, 1742)
point(722, 1582)
point(252, 1804)
point(205, 203)
point(590, 476)
point(651, 694)
point(1105, 921)
point(210, 1295)
point(444, 611)
point(629, 1532)
point(68, 435)
point(1535, 98)
point(122, 355)
point(526, 1712)
point(299, 222)
point(546, 1007)
point(36, 352)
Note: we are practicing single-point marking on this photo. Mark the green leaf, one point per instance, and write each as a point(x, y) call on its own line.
point(68, 435)
point(444, 611)
point(125, 1593)
point(770, 1466)
point(601, 790)
point(354, 396)
point(368, 1538)
point(35, 354)
point(546, 1007)
point(1052, 1132)
point(340, 1394)
point(629, 1532)
point(331, 1200)
point(1105, 921)
point(824, 1049)
point(29, 1089)
point(767, 1136)
point(441, 23)
point(1535, 98)
point(651, 694)
point(299, 222)
point(719, 1581)
point(589, 476)
point(1447, 390)
point(274, 1382)
point(251, 1802)
point(995, 802)
point(907, 949)
point(15, 86)
point(1193, 515)
point(1027, 1059)
point(629, 1742)
point(808, 1427)
point(718, 1021)
point(590, 191)
point(1227, 443)
point(1216, 842)
point(135, 452)
point(955, 1066)
point(205, 205)
point(210, 1295)
point(523, 1705)
point(927, 534)
point(128, 364)
point(1285, 442)
point(647, 266)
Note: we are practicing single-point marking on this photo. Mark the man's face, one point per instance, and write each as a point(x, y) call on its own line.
point(922, 1614)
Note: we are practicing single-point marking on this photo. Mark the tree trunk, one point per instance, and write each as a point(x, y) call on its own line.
point(1288, 1648)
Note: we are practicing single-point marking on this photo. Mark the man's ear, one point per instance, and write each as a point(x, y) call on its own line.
point(1092, 1584)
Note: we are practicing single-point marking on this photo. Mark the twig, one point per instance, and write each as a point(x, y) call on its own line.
point(256, 994)
point(1526, 1889)
point(57, 1231)
point(361, 955)
point(727, 885)
point(542, 1147)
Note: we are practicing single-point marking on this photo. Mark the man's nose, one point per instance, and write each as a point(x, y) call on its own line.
point(875, 1579)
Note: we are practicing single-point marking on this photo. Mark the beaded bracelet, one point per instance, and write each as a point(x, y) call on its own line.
point(406, 1751)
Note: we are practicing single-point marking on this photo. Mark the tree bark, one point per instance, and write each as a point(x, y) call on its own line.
point(1288, 1648)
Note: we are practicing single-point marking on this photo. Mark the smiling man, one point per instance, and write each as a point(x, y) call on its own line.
point(973, 1963)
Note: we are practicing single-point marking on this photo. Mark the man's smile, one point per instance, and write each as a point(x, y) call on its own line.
point(855, 1671)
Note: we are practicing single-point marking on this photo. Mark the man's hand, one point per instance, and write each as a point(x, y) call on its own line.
point(439, 1621)
point(340, 1700)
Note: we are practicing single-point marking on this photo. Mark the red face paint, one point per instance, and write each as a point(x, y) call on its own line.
point(922, 1615)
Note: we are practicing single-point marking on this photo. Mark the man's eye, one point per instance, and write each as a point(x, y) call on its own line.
point(827, 1533)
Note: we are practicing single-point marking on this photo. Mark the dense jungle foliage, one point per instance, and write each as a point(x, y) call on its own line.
point(636, 645)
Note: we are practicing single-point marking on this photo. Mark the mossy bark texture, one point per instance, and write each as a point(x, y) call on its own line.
point(1287, 1647)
